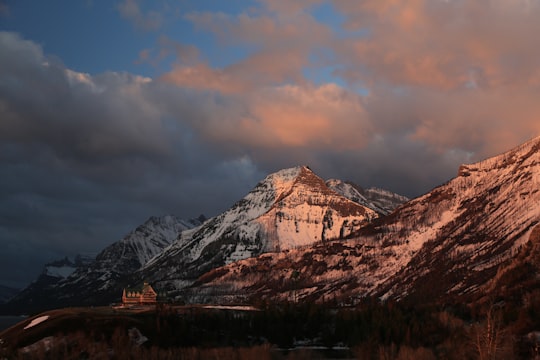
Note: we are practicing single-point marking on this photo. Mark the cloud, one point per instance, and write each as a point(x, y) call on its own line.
point(407, 91)
point(443, 44)
point(131, 10)
point(166, 47)
point(279, 46)
point(455, 77)
point(86, 158)
point(316, 117)
point(450, 74)
point(289, 7)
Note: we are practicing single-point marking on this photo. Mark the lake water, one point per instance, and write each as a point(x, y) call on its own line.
point(7, 321)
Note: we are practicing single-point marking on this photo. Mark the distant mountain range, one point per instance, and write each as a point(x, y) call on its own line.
point(87, 281)
point(292, 208)
point(295, 237)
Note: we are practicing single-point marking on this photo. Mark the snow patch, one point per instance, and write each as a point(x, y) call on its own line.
point(60, 271)
point(417, 240)
point(36, 321)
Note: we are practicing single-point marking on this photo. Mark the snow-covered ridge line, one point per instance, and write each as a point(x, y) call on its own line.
point(499, 160)
point(386, 193)
point(379, 200)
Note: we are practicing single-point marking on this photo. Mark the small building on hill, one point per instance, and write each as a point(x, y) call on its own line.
point(142, 296)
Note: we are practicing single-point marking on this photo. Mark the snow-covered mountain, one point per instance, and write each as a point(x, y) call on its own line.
point(99, 280)
point(290, 209)
point(382, 201)
point(61, 269)
point(141, 245)
point(295, 237)
point(452, 241)
point(462, 233)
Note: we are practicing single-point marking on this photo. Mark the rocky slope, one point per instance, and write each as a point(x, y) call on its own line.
point(461, 233)
point(290, 209)
point(447, 243)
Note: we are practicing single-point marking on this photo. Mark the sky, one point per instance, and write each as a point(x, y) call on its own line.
point(112, 111)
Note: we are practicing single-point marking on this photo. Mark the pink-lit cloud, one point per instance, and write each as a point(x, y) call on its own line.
point(289, 117)
point(452, 74)
point(270, 103)
point(442, 44)
point(447, 74)
point(280, 47)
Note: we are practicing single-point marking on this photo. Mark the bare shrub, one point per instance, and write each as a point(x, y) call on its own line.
point(489, 339)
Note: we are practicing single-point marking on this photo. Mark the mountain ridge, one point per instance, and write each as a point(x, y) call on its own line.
point(445, 243)
point(380, 200)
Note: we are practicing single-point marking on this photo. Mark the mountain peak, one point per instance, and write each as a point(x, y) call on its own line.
point(288, 174)
point(286, 178)
point(289, 209)
point(448, 242)
point(87, 281)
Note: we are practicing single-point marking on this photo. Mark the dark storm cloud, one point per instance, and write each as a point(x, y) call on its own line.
point(77, 116)
point(87, 158)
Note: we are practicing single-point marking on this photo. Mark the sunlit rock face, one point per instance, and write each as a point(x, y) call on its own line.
point(290, 209)
point(447, 244)
point(464, 231)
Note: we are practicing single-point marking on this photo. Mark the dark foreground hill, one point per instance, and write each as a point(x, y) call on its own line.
point(371, 330)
